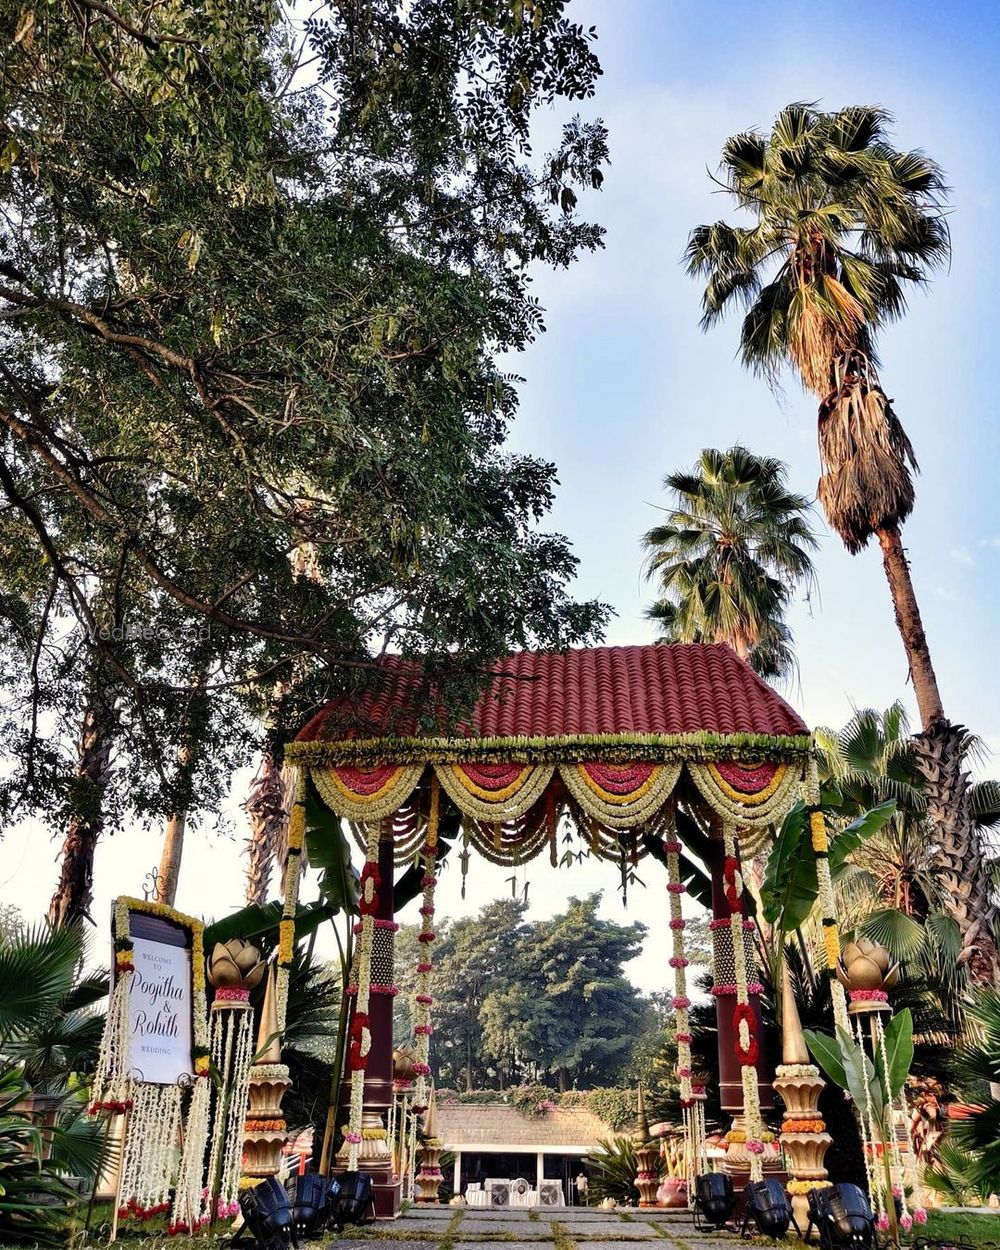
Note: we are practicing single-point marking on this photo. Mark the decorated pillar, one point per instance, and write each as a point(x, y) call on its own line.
point(373, 1153)
point(646, 1152)
point(429, 1177)
point(804, 1138)
point(725, 889)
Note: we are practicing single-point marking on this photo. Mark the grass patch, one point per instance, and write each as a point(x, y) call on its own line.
point(977, 1227)
point(533, 1215)
point(563, 1241)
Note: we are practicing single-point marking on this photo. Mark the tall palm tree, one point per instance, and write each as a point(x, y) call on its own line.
point(729, 556)
point(896, 889)
point(842, 225)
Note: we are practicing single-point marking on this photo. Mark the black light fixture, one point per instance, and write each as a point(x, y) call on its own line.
point(355, 1203)
point(333, 1204)
point(267, 1215)
point(309, 1205)
point(843, 1218)
point(768, 1206)
point(714, 1200)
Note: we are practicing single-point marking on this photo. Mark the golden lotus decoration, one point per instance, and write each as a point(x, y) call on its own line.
point(867, 972)
point(235, 965)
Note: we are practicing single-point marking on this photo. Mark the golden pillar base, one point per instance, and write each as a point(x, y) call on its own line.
point(646, 1179)
point(429, 1177)
point(262, 1146)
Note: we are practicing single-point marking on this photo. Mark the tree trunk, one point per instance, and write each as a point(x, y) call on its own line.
point(74, 893)
point(941, 761)
point(910, 626)
point(170, 859)
point(268, 812)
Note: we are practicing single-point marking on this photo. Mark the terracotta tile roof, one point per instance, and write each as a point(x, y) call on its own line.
point(468, 1125)
point(684, 689)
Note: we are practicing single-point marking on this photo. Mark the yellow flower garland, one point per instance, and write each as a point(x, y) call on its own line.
point(750, 800)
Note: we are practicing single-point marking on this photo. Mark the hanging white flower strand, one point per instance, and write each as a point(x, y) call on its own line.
point(679, 962)
point(360, 1041)
point(422, 1028)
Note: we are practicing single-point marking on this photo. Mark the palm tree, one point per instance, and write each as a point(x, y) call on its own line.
point(727, 560)
point(842, 225)
point(896, 889)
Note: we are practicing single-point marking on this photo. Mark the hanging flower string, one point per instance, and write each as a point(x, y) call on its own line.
point(290, 901)
point(747, 1046)
point(679, 962)
point(360, 1040)
point(827, 905)
point(424, 1001)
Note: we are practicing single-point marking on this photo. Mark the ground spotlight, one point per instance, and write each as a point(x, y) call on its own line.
point(309, 1206)
point(355, 1202)
point(267, 1215)
point(842, 1217)
point(714, 1200)
point(768, 1206)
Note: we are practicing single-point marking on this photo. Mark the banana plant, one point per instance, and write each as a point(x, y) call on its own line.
point(791, 886)
point(874, 1093)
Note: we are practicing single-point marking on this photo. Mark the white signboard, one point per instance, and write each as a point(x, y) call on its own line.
point(160, 1011)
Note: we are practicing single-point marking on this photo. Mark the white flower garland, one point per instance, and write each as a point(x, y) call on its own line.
point(494, 812)
point(679, 961)
point(620, 815)
point(423, 1000)
point(363, 809)
point(827, 903)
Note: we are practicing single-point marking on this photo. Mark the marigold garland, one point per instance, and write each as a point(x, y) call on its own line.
point(493, 807)
point(747, 812)
point(617, 811)
point(290, 898)
point(827, 904)
point(366, 808)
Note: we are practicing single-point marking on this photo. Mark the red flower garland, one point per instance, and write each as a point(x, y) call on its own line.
point(743, 1014)
point(356, 1061)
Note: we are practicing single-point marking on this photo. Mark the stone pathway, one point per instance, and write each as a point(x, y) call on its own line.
point(562, 1228)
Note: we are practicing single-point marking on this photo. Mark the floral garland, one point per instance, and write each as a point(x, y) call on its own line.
point(750, 748)
point(679, 962)
point(423, 1000)
point(621, 810)
point(827, 905)
point(493, 806)
point(360, 1038)
point(367, 795)
point(801, 1188)
point(290, 899)
point(750, 810)
point(802, 1126)
point(747, 1047)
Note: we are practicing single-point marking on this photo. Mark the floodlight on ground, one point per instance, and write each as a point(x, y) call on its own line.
point(267, 1215)
point(714, 1200)
point(842, 1217)
point(767, 1205)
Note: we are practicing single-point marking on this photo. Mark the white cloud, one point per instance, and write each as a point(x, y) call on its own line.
point(962, 555)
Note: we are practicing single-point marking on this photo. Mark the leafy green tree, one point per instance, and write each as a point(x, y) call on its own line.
point(843, 225)
point(571, 1010)
point(247, 305)
point(730, 555)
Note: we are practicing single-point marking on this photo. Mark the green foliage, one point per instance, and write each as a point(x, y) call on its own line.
point(518, 1003)
point(614, 1105)
point(727, 561)
point(533, 1100)
point(612, 1170)
point(841, 226)
point(33, 1197)
point(249, 311)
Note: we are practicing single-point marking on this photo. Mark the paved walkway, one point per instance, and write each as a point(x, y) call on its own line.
point(563, 1228)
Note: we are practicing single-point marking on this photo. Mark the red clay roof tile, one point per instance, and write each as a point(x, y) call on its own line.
point(685, 688)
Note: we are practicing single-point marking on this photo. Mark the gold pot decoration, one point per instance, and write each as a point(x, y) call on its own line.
point(235, 965)
point(403, 1059)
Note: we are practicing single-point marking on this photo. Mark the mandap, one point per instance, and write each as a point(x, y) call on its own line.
point(616, 740)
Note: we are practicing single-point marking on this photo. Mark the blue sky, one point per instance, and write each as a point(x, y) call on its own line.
point(625, 388)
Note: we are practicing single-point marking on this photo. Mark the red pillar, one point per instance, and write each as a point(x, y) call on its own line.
point(730, 1083)
point(378, 1074)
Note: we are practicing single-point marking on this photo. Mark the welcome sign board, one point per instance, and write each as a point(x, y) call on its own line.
point(160, 1011)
